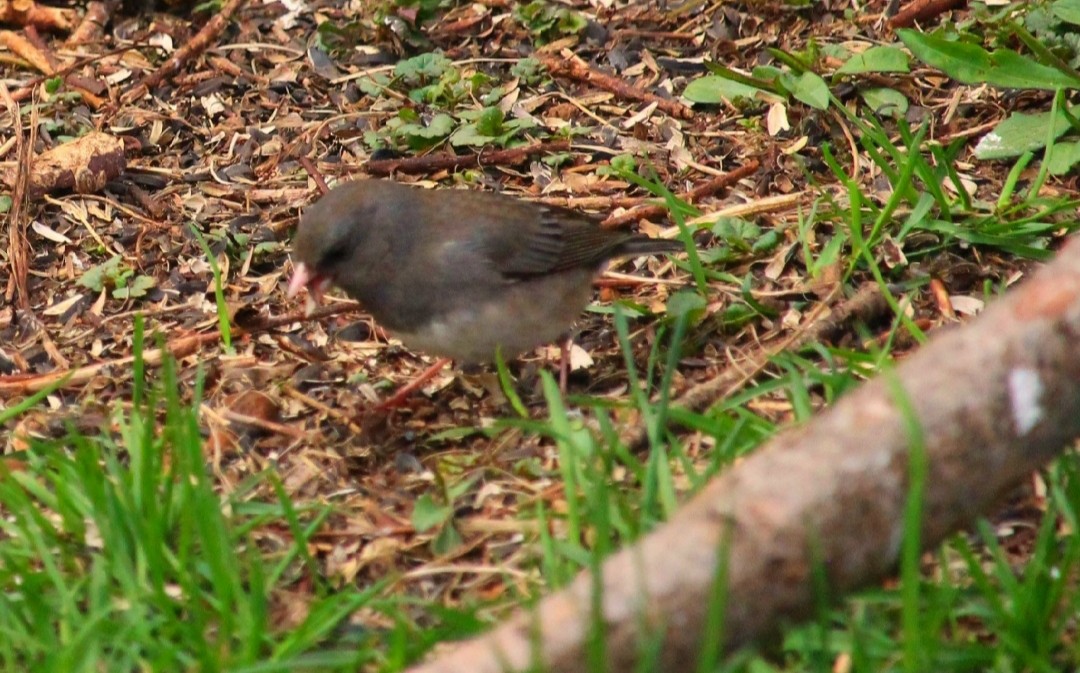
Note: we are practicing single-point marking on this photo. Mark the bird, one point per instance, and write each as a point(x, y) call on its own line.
point(459, 274)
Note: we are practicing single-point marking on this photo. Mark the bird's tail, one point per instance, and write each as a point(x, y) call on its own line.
point(642, 245)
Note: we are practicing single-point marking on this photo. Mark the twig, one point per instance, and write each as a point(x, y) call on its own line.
point(866, 304)
point(18, 244)
point(325, 408)
point(315, 174)
point(36, 51)
point(28, 383)
point(28, 89)
point(198, 44)
point(26, 50)
point(921, 10)
point(92, 26)
point(594, 202)
point(441, 162)
point(568, 64)
point(33, 14)
point(318, 313)
point(699, 192)
point(263, 424)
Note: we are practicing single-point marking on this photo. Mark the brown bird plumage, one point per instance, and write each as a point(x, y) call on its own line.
point(457, 273)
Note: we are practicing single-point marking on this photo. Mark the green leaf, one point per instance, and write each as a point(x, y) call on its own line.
point(1067, 10)
point(713, 89)
point(446, 541)
point(768, 241)
point(490, 122)
point(876, 59)
point(1064, 156)
point(971, 64)
point(1020, 133)
point(137, 288)
point(373, 85)
point(427, 514)
point(422, 68)
point(737, 315)
point(962, 61)
point(418, 135)
point(488, 128)
point(686, 303)
point(549, 21)
point(717, 254)
point(97, 278)
point(468, 136)
point(808, 88)
point(735, 230)
point(557, 159)
point(528, 69)
point(454, 434)
point(1013, 71)
point(884, 101)
point(624, 162)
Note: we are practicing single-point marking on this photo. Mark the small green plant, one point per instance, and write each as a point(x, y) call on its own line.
point(548, 22)
point(118, 276)
point(529, 70)
point(488, 127)
point(438, 88)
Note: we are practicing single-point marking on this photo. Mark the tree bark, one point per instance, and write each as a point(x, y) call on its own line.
point(994, 400)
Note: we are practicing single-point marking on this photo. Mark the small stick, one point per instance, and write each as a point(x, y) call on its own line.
point(29, 383)
point(263, 424)
point(699, 192)
point(403, 393)
point(313, 171)
point(40, 16)
point(570, 65)
point(921, 10)
point(18, 244)
point(441, 162)
point(92, 26)
point(325, 408)
point(865, 304)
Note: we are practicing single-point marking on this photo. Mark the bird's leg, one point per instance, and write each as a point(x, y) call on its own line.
point(408, 389)
point(564, 363)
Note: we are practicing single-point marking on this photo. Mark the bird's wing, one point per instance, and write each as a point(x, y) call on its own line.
point(522, 239)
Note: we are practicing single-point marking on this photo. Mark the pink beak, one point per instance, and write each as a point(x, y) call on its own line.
point(315, 283)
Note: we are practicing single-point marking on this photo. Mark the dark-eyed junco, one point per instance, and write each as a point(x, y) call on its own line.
point(457, 273)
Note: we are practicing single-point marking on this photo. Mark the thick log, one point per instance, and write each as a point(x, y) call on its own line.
point(994, 400)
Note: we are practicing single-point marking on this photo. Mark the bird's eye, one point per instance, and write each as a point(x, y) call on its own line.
point(333, 256)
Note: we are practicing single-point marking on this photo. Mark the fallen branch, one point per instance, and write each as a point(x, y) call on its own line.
point(569, 64)
point(994, 400)
point(197, 45)
point(430, 163)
